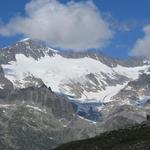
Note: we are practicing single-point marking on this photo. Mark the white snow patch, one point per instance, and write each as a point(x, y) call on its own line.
point(129, 88)
point(51, 138)
point(25, 39)
point(36, 108)
point(105, 95)
point(87, 120)
point(130, 72)
point(6, 105)
point(1, 86)
point(53, 50)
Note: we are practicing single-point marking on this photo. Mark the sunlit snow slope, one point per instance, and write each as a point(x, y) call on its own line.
point(84, 78)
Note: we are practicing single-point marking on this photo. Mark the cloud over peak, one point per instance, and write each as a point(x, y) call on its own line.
point(142, 45)
point(75, 25)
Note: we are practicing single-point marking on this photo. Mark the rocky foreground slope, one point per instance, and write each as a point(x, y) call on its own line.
point(35, 118)
point(132, 138)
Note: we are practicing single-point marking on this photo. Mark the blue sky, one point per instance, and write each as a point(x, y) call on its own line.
point(127, 18)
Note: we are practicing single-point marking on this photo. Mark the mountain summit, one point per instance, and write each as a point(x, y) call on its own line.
point(82, 75)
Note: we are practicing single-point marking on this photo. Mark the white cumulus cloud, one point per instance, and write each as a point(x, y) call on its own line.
point(75, 25)
point(142, 45)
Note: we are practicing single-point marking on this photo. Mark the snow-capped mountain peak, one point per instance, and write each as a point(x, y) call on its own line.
point(84, 76)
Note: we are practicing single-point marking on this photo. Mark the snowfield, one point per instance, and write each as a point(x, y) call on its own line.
point(57, 71)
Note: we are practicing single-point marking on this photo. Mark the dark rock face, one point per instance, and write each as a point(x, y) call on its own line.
point(135, 89)
point(148, 117)
point(118, 116)
point(6, 85)
point(23, 128)
point(30, 126)
point(29, 48)
point(133, 62)
point(142, 82)
point(109, 61)
point(95, 55)
point(44, 97)
point(132, 138)
point(38, 119)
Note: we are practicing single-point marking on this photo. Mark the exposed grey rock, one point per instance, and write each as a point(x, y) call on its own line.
point(44, 97)
point(5, 85)
point(30, 126)
point(122, 116)
point(29, 48)
point(109, 61)
point(135, 90)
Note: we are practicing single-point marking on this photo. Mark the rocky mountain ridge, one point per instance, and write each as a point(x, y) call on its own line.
point(87, 75)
